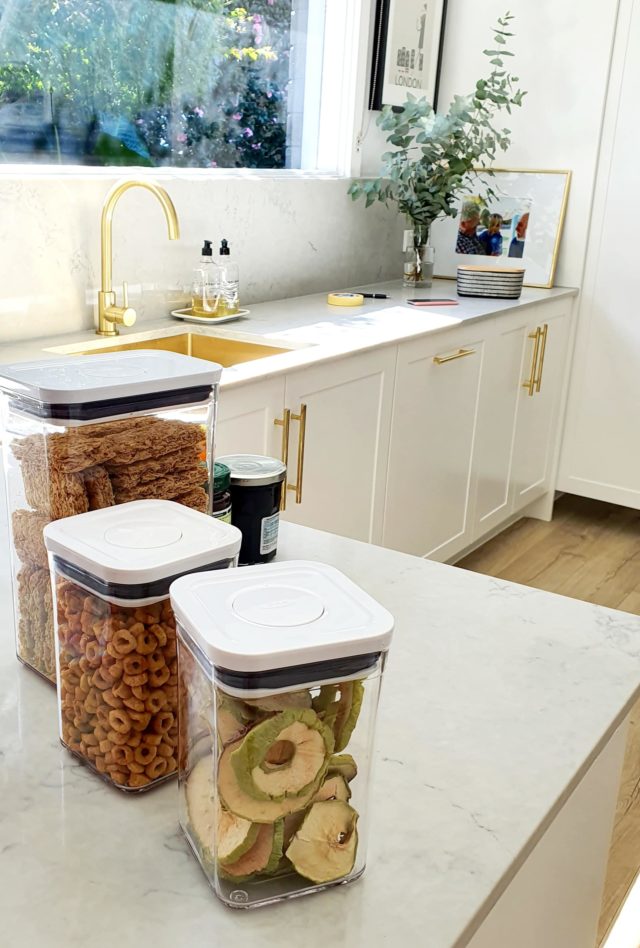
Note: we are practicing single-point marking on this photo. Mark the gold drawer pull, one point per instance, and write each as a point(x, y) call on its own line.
point(302, 434)
point(285, 424)
point(530, 384)
point(460, 354)
point(543, 347)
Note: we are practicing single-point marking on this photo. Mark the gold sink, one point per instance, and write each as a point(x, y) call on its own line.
point(226, 352)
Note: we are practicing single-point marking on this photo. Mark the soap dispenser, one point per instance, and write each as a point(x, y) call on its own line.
point(229, 282)
point(205, 293)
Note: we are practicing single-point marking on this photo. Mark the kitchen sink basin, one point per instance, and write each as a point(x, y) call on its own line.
point(225, 351)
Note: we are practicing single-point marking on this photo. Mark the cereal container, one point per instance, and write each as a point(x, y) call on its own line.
point(82, 433)
point(279, 676)
point(115, 632)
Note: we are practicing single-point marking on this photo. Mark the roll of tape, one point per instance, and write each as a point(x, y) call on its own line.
point(345, 299)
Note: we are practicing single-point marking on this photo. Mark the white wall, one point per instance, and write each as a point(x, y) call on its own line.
point(290, 236)
point(563, 52)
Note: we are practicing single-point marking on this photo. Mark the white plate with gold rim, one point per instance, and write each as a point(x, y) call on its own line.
point(190, 317)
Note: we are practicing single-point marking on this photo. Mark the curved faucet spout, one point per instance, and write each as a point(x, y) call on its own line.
point(110, 202)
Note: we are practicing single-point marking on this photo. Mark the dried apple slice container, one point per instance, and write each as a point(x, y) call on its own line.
point(280, 668)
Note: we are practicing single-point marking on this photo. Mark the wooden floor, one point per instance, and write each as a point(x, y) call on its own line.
point(589, 551)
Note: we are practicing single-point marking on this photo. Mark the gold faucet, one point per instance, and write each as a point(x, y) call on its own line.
point(109, 314)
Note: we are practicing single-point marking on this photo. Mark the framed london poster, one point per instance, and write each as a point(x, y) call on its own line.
point(407, 49)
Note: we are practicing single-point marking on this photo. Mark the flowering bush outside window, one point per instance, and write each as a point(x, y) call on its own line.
point(180, 83)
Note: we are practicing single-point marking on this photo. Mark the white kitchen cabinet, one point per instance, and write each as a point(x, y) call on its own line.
point(519, 413)
point(424, 447)
point(601, 449)
point(429, 483)
point(543, 376)
point(496, 425)
point(245, 418)
point(346, 443)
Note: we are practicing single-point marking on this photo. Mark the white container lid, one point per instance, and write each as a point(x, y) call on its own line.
point(140, 543)
point(74, 380)
point(254, 470)
point(265, 617)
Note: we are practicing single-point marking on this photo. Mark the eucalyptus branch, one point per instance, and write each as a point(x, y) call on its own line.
point(432, 156)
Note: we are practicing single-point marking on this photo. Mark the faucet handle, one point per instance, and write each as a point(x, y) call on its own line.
point(128, 315)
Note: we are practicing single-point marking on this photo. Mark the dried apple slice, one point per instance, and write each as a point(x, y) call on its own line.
point(324, 848)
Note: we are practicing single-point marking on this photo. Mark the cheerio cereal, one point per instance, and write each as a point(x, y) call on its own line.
point(116, 634)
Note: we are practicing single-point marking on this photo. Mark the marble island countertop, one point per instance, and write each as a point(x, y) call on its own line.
point(497, 699)
point(310, 328)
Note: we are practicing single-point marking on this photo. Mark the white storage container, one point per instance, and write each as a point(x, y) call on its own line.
point(280, 672)
point(115, 632)
point(82, 433)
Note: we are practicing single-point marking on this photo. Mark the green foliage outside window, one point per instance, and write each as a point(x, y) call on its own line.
point(192, 83)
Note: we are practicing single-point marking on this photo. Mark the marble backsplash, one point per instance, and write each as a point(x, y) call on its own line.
point(290, 236)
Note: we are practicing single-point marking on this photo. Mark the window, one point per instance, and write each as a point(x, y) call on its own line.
point(178, 83)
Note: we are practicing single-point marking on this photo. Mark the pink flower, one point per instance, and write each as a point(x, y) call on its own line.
point(236, 116)
point(247, 133)
point(181, 137)
point(213, 164)
point(198, 111)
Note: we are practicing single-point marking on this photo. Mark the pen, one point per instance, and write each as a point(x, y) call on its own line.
point(375, 296)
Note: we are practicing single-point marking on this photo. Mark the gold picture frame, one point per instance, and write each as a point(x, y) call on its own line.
point(535, 198)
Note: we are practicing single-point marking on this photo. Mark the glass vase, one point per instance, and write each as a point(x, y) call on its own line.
point(418, 257)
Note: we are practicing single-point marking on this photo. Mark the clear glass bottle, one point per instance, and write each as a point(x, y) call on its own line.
point(81, 433)
point(115, 632)
point(280, 669)
point(229, 302)
point(207, 280)
point(419, 257)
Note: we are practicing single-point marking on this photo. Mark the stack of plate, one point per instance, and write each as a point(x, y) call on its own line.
point(491, 282)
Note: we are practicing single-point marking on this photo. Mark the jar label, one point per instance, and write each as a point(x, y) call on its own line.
point(224, 514)
point(269, 534)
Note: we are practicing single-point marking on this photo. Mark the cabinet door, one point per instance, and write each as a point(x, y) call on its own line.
point(495, 434)
point(543, 363)
point(246, 416)
point(346, 444)
point(430, 467)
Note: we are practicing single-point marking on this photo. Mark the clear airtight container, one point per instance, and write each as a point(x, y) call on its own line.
point(83, 433)
point(280, 672)
point(116, 634)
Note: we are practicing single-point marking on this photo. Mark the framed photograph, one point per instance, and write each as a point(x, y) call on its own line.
point(519, 224)
point(407, 50)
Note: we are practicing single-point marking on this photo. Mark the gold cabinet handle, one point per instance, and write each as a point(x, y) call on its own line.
point(530, 384)
point(543, 346)
point(460, 354)
point(285, 424)
point(302, 433)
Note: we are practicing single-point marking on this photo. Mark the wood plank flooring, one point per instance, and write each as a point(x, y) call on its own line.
point(589, 551)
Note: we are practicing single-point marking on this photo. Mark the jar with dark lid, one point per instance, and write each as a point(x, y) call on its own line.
point(221, 505)
point(256, 489)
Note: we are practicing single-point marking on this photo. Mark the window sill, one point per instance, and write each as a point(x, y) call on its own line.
point(22, 171)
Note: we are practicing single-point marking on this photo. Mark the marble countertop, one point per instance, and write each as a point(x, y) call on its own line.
point(310, 328)
point(497, 699)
